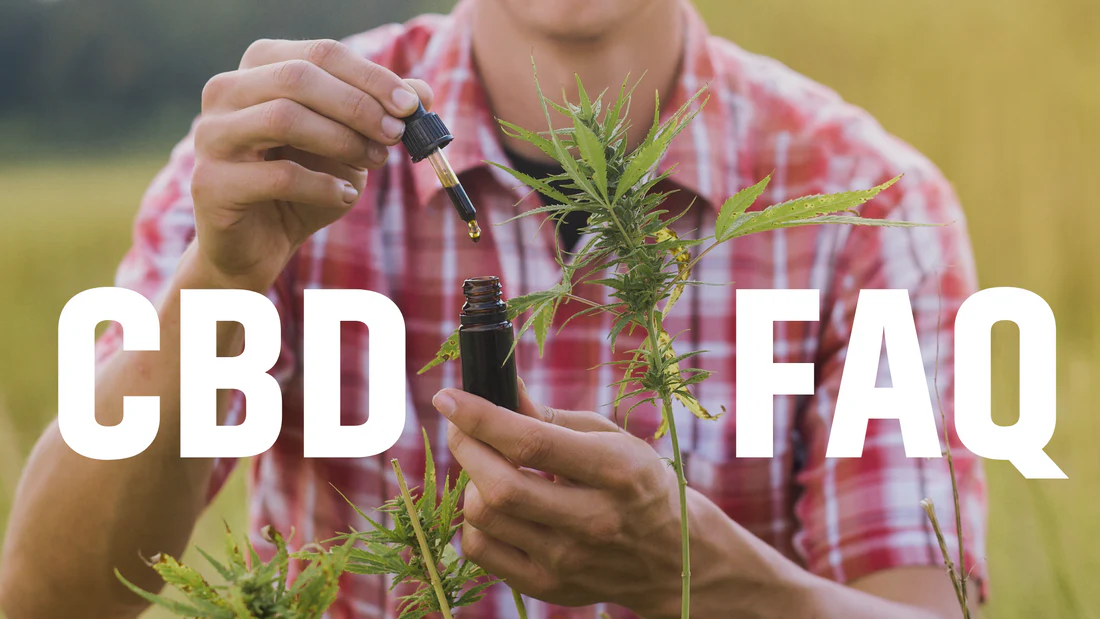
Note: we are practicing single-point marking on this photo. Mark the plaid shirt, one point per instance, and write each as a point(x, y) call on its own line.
point(841, 518)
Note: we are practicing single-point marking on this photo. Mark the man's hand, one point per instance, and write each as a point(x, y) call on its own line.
point(604, 529)
point(568, 508)
point(282, 149)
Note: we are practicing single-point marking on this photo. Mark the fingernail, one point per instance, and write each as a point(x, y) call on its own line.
point(404, 99)
point(350, 193)
point(392, 127)
point(522, 385)
point(444, 403)
point(378, 153)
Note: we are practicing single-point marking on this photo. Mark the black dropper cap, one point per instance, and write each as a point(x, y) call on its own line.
point(424, 132)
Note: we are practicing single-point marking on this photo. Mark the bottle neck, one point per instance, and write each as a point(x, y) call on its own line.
point(484, 303)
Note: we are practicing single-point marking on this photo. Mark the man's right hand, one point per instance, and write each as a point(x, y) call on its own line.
point(282, 149)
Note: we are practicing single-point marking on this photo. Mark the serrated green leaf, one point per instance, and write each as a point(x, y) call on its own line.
point(586, 104)
point(448, 351)
point(178, 608)
point(515, 131)
point(737, 205)
point(541, 319)
point(856, 220)
point(538, 185)
point(786, 213)
point(569, 164)
point(592, 153)
point(645, 157)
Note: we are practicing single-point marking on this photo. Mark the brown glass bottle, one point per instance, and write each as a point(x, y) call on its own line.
point(485, 338)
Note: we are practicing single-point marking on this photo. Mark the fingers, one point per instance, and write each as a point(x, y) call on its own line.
point(530, 537)
point(506, 489)
point(531, 443)
point(500, 559)
point(261, 181)
point(284, 122)
point(581, 421)
point(309, 85)
point(394, 94)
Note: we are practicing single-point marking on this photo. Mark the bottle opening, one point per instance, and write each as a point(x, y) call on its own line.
point(483, 296)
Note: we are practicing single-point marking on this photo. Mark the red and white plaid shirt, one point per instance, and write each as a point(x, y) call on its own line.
point(841, 518)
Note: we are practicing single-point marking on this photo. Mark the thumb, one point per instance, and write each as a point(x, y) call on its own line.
point(581, 421)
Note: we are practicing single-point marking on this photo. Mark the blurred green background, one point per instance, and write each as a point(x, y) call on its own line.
point(1004, 95)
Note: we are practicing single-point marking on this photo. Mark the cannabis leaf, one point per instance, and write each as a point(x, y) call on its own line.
point(253, 589)
point(447, 352)
point(736, 205)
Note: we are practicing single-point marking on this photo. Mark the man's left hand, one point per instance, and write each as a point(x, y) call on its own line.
point(565, 506)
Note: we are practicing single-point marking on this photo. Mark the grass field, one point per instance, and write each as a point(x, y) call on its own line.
point(1003, 96)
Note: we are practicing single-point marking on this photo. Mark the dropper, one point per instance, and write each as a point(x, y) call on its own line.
point(425, 137)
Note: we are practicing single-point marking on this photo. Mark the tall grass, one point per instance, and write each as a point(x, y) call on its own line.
point(1004, 96)
point(65, 225)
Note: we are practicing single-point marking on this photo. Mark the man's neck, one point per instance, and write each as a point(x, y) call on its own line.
point(649, 47)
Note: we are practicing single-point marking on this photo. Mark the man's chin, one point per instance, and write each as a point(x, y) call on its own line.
point(573, 21)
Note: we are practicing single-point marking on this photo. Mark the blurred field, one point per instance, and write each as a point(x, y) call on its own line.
point(1004, 96)
point(66, 225)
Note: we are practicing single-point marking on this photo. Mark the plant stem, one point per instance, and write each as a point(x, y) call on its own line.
point(429, 560)
point(958, 574)
point(520, 607)
point(958, 583)
point(681, 482)
point(657, 356)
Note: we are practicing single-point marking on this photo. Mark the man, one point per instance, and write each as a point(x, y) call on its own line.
point(270, 193)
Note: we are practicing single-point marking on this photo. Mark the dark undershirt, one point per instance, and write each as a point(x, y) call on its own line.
point(570, 228)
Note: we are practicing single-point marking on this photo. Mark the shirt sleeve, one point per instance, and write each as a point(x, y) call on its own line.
point(862, 515)
point(163, 228)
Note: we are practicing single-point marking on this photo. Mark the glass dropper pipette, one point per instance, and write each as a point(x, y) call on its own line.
point(425, 137)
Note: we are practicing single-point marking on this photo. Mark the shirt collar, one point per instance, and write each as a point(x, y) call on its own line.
point(696, 151)
point(463, 105)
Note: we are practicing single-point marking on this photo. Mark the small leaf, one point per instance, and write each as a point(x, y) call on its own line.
point(736, 205)
point(221, 569)
point(515, 131)
point(683, 265)
point(592, 153)
point(447, 352)
point(178, 608)
point(586, 104)
point(642, 161)
point(541, 319)
point(541, 186)
point(693, 405)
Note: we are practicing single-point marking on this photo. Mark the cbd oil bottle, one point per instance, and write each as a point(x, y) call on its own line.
point(485, 339)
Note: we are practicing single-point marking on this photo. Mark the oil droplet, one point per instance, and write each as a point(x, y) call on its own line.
point(475, 230)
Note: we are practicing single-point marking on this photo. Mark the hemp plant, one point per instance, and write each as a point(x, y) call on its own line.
point(634, 252)
point(253, 589)
point(415, 550)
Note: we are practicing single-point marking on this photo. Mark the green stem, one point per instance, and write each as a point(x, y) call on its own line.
point(681, 482)
point(425, 551)
point(656, 356)
point(520, 607)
